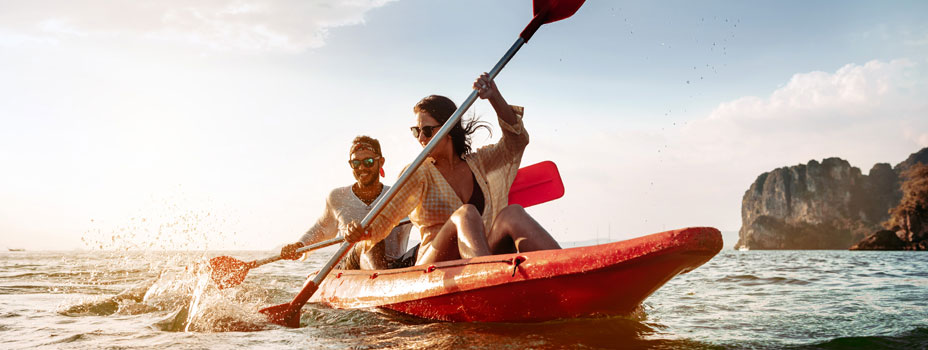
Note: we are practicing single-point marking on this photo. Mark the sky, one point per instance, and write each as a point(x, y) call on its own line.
point(220, 124)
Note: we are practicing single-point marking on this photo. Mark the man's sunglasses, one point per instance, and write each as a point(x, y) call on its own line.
point(428, 131)
point(368, 162)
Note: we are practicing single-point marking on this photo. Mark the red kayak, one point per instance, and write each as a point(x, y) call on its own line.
point(606, 279)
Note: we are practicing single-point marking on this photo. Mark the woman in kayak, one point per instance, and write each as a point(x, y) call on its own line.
point(352, 203)
point(458, 198)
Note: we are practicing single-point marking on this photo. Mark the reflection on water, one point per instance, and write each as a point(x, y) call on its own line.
point(757, 299)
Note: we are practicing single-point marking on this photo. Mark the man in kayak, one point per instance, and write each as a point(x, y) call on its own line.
point(457, 198)
point(352, 203)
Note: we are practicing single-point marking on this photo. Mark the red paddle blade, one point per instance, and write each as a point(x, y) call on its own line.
point(537, 183)
point(547, 11)
point(556, 10)
point(227, 271)
point(283, 315)
point(289, 314)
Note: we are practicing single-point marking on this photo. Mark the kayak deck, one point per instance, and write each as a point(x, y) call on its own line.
point(606, 279)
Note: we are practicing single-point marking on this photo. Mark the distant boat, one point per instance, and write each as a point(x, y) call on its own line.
point(16, 249)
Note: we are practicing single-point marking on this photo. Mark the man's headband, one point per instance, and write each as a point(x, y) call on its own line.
point(363, 145)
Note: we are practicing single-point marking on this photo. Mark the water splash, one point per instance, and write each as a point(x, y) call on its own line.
point(183, 300)
point(163, 250)
point(175, 221)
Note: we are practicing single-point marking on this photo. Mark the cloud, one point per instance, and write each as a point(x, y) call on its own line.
point(857, 111)
point(237, 25)
point(852, 91)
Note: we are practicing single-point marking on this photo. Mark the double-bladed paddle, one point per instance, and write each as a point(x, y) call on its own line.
point(534, 184)
point(545, 11)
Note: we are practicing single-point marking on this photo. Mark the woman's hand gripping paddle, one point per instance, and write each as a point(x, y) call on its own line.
point(534, 184)
point(545, 11)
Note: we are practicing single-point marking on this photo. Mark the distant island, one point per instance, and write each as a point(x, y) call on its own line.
point(832, 205)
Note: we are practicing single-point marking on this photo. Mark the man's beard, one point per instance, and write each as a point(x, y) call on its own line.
point(371, 182)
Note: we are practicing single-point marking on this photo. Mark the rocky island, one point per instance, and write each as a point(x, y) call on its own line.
point(833, 205)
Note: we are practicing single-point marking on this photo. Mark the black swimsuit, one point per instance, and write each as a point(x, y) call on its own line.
point(476, 198)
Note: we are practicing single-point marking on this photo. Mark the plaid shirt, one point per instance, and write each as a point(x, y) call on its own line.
point(429, 200)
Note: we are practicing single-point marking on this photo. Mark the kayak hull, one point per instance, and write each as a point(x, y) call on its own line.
point(602, 280)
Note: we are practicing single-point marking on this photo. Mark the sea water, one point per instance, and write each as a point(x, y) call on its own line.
point(738, 300)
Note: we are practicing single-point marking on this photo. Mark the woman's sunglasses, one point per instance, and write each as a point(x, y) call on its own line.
point(428, 131)
point(367, 162)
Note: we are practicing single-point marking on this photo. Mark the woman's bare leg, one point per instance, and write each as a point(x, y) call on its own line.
point(462, 237)
point(472, 237)
point(514, 230)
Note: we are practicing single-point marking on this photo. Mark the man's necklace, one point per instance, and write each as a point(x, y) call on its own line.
point(367, 196)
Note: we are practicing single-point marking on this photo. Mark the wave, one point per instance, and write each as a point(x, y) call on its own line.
point(76, 274)
point(914, 339)
point(752, 280)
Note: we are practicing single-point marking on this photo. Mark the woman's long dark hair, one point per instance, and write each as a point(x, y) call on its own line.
point(441, 108)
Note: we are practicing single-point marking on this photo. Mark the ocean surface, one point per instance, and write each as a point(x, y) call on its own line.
point(738, 300)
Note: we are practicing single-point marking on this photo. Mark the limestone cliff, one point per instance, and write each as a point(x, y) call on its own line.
point(827, 205)
point(914, 158)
